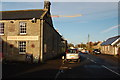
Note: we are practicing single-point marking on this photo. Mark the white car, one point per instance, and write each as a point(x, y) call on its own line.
point(72, 55)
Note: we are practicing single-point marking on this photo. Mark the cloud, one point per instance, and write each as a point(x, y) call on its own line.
point(109, 29)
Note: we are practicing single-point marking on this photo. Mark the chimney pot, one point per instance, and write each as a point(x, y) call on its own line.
point(47, 4)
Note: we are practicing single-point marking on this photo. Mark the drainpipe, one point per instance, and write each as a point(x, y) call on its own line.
point(47, 9)
point(41, 40)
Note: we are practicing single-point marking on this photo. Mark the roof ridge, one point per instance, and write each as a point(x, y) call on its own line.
point(109, 41)
point(23, 14)
point(23, 10)
point(114, 37)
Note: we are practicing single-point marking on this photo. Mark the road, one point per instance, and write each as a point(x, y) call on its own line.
point(90, 66)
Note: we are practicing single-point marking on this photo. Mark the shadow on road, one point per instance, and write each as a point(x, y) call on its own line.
point(31, 71)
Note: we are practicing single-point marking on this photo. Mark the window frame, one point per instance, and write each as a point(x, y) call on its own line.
point(22, 27)
point(22, 52)
point(2, 30)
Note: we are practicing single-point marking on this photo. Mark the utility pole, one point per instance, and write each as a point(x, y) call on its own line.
point(88, 43)
point(88, 37)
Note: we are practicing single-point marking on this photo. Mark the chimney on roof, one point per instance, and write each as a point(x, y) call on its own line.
point(47, 5)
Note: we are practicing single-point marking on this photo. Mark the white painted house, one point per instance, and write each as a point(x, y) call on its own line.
point(111, 46)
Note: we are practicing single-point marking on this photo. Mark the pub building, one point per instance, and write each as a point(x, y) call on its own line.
point(29, 32)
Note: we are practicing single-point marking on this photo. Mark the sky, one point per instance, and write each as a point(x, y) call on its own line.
point(99, 19)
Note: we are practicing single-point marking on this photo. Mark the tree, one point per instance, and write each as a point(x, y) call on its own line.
point(70, 45)
point(89, 46)
point(81, 45)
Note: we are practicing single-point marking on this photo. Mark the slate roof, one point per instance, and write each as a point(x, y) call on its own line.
point(110, 40)
point(21, 14)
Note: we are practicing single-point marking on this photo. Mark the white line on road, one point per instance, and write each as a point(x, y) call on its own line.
point(110, 70)
point(87, 58)
point(92, 60)
point(61, 70)
point(58, 73)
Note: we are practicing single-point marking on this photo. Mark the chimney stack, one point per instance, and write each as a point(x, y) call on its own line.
point(47, 5)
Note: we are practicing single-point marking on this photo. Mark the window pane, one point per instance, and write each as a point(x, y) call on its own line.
point(22, 46)
point(22, 27)
point(1, 28)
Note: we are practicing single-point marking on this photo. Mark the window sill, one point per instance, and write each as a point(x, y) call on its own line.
point(23, 34)
point(2, 34)
point(22, 53)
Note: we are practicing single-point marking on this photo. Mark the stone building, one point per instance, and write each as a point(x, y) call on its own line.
point(29, 32)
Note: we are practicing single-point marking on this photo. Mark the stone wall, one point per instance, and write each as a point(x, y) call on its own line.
point(12, 29)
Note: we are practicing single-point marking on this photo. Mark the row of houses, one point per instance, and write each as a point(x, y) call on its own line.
point(111, 46)
point(30, 32)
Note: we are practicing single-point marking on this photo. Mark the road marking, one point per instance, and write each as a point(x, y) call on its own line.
point(87, 58)
point(110, 70)
point(92, 60)
point(63, 67)
point(58, 73)
point(61, 71)
point(70, 68)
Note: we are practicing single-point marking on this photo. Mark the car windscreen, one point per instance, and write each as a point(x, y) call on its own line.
point(96, 50)
point(72, 51)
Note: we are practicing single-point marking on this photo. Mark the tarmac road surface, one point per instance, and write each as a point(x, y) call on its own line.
point(90, 66)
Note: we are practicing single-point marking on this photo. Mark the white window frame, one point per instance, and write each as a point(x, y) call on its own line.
point(1, 28)
point(23, 28)
point(22, 47)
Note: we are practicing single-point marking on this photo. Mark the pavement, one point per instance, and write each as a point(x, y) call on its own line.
point(15, 70)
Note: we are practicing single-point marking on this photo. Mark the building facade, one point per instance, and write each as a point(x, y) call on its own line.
point(111, 46)
point(29, 32)
point(97, 45)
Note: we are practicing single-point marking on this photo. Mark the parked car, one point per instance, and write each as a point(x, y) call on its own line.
point(72, 55)
point(96, 51)
point(83, 50)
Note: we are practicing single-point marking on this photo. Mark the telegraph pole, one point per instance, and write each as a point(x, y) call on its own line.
point(88, 43)
point(88, 38)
